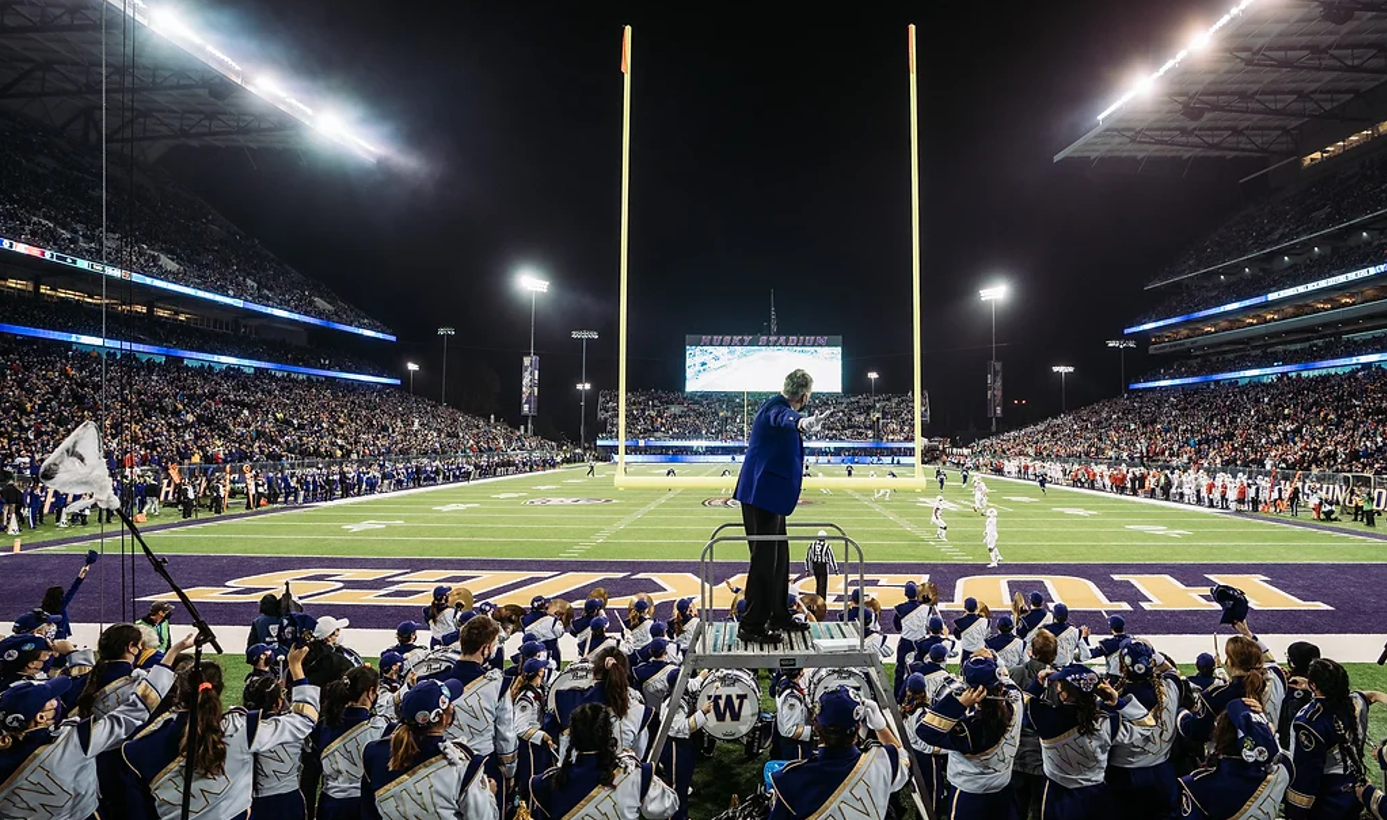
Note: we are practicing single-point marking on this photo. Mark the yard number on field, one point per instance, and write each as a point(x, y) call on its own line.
point(456, 507)
point(369, 525)
point(1075, 511)
point(1153, 529)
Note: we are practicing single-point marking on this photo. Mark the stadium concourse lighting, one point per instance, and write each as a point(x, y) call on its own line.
point(412, 368)
point(445, 332)
point(992, 296)
point(166, 21)
point(1063, 370)
point(584, 386)
point(873, 375)
point(1199, 42)
point(535, 286)
point(1122, 345)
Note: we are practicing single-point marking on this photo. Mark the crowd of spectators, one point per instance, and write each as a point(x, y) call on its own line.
point(50, 196)
point(74, 317)
point(659, 414)
point(1212, 290)
point(1332, 422)
point(1320, 350)
point(165, 413)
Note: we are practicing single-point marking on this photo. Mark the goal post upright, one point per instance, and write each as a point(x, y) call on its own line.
point(625, 234)
point(915, 247)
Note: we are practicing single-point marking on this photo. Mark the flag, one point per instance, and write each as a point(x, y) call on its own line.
point(77, 467)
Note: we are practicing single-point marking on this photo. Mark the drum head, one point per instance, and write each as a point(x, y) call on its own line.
point(736, 702)
point(432, 662)
point(826, 680)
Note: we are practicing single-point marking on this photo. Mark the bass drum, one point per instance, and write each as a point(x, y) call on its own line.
point(575, 676)
point(736, 700)
point(822, 681)
point(432, 662)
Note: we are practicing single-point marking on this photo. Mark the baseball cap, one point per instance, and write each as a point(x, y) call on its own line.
point(408, 628)
point(1061, 612)
point(425, 703)
point(389, 659)
point(327, 625)
point(23, 701)
point(30, 621)
point(1078, 676)
point(980, 672)
point(839, 708)
point(255, 651)
point(915, 683)
point(1117, 623)
point(938, 653)
point(440, 592)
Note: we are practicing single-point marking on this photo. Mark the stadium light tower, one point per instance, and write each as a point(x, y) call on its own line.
point(1122, 346)
point(992, 296)
point(535, 286)
point(1063, 370)
point(412, 368)
point(445, 332)
point(584, 386)
point(873, 375)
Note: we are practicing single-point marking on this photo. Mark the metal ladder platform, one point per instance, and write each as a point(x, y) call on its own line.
point(830, 644)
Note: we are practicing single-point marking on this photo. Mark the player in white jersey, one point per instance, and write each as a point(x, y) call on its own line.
point(979, 496)
point(989, 537)
point(941, 529)
point(881, 493)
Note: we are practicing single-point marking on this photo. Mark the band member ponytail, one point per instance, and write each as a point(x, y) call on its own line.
point(110, 648)
point(209, 758)
point(1331, 681)
point(351, 687)
point(404, 746)
point(611, 669)
point(590, 732)
point(1245, 661)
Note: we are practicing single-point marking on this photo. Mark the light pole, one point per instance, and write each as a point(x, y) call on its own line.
point(535, 286)
point(992, 296)
point(412, 368)
point(1122, 345)
point(873, 375)
point(1063, 370)
point(584, 335)
point(445, 332)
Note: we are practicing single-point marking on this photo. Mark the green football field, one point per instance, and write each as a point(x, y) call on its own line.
point(563, 515)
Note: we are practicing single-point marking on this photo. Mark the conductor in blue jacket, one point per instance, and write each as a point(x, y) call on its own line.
point(768, 490)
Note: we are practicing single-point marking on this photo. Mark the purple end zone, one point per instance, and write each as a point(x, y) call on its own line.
point(380, 592)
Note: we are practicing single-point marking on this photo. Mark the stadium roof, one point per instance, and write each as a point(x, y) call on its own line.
point(184, 89)
point(1270, 79)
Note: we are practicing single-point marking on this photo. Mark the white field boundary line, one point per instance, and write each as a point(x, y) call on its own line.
point(611, 530)
point(1173, 506)
point(946, 549)
point(1345, 648)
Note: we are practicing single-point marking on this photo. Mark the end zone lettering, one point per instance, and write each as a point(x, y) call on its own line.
point(561, 501)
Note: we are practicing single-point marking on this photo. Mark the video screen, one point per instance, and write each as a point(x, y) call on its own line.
point(754, 369)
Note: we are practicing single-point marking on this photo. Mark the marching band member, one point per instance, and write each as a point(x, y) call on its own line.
point(980, 726)
point(650, 675)
point(970, 629)
point(483, 718)
point(941, 528)
point(920, 689)
point(1078, 718)
point(582, 625)
point(658, 629)
point(1299, 656)
point(349, 722)
point(1327, 746)
point(227, 742)
point(1108, 648)
point(37, 746)
point(439, 615)
point(392, 666)
point(1009, 649)
point(1205, 666)
point(1069, 638)
point(911, 619)
point(839, 773)
point(870, 615)
point(930, 666)
point(989, 538)
point(536, 749)
point(417, 766)
point(1252, 673)
point(638, 620)
point(611, 674)
point(1249, 775)
point(1033, 618)
point(794, 726)
point(677, 758)
point(1140, 772)
point(685, 621)
point(544, 623)
point(935, 637)
point(405, 635)
point(598, 639)
point(596, 781)
point(1028, 772)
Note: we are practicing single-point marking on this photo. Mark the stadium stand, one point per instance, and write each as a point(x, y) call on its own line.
point(165, 413)
point(75, 317)
point(50, 197)
point(654, 414)
point(1331, 422)
point(1300, 352)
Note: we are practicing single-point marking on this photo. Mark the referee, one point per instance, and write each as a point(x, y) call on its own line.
point(819, 562)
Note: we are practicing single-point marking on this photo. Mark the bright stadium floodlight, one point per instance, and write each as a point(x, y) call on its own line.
point(993, 293)
point(533, 284)
point(412, 368)
point(873, 375)
point(1199, 42)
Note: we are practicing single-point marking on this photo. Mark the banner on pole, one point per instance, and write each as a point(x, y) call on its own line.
point(994, 390)
point(529, 386)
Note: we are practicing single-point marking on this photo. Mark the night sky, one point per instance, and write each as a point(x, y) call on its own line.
point(769, 151)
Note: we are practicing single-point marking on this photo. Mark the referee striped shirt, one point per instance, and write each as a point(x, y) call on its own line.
point(820, 553)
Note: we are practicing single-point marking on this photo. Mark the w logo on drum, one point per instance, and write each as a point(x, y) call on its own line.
point(729, 707)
